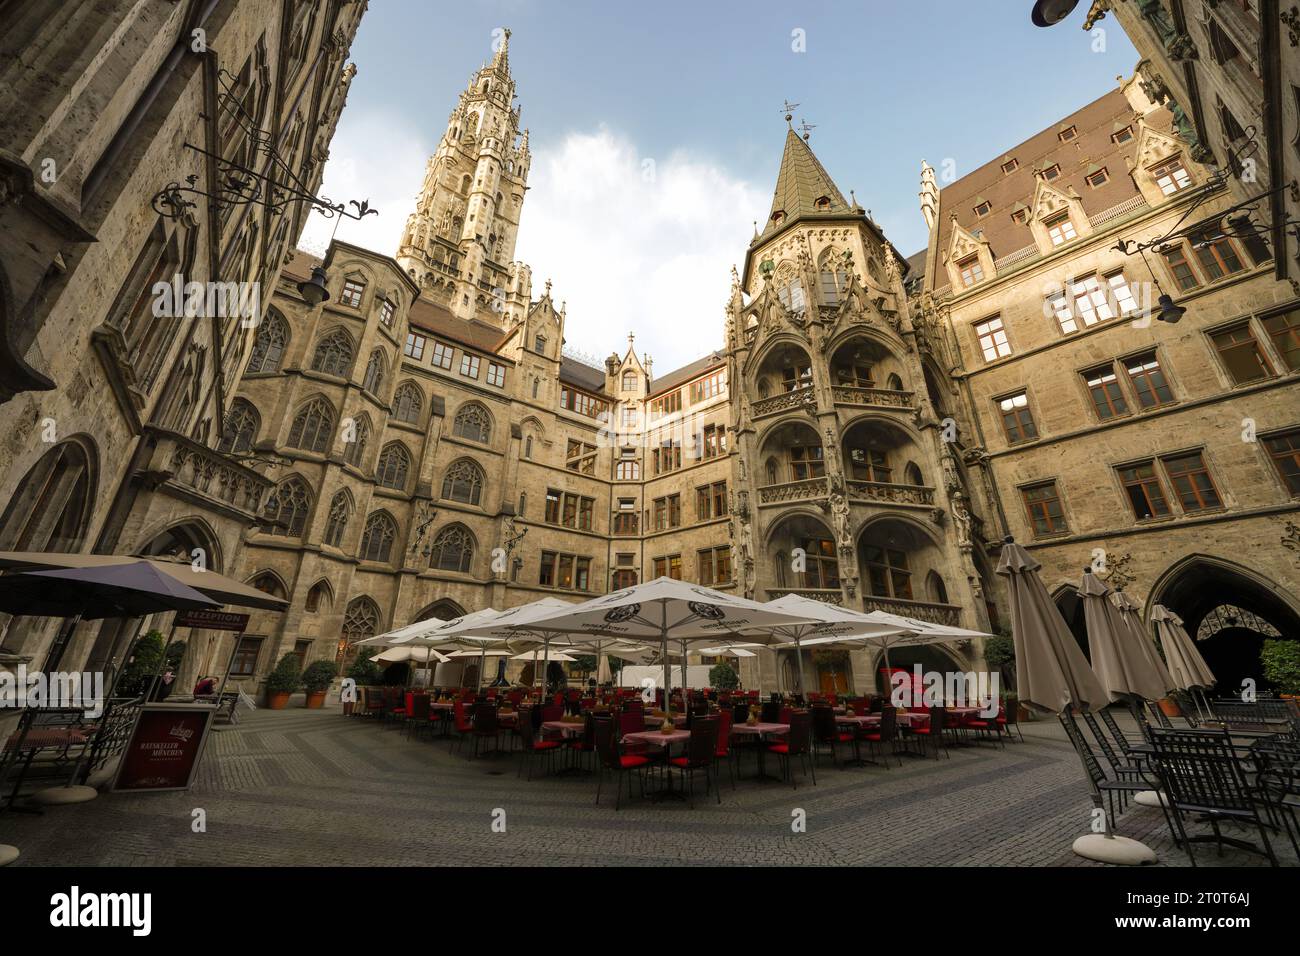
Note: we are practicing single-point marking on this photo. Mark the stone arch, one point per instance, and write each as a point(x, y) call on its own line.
point(180, 538)
point(270, 581)
point(443, 609)
point(321, 589)
point(53, 505)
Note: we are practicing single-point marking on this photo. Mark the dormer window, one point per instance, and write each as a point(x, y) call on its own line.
point(1010, 166)
point(1121, 136)
point(1067, 134)
point(778, 215)
point(629, 382)
point(971, 270)
point(1060, 229)
point(1020, 215)
point(823, 203)
point(1098, 178)
point(1052, 172)
point(984, 208)
point(1171, 176)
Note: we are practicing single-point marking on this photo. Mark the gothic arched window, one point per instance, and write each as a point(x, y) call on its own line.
point(313, 427)
point(408, 402)
point(374, 379)
point(340, 510)
point(333, 354)
point(242, 424)
point(360, 620)
point(394, 464)
point(286, 509)
point(913, 474)
point(354, 450)
point(377, 539)
point(319, 596)
point(463, 482)
point(268, 583)
point(269, 346)
point(473, 422)
point(452, 550)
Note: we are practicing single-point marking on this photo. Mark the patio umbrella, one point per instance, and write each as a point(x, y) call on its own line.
point(1118, 659)
point(218, 587)
point(415, 655)
point(1187, 667)
point(666, 609)
point(1131, 615)
point(431, 630)
point(1051, 672)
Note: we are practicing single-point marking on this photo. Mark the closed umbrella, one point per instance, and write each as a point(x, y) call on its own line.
point(1051, 672)
point(1131, 615)
point(1186, 665)
point(1118, 659)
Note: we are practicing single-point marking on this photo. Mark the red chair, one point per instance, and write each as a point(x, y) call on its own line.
point(1010, 717)
point(827, 732)
point(930, 735)
point(883, 736)
point(461, 723)
point(798, 743)
point(701, 754)
point(612, 758)
point(417, 706)
point(580, 747)
point(552, 712)
point(723, 750)
point(632, 722)
point(980, 726)
point(530, 745)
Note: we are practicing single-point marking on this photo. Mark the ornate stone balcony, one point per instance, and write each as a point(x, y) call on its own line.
point(878, 491)
point(215, 478)
point(825, 595)
point(874, 397)
point(785, 402)
point(806, 490)
point(949, 614)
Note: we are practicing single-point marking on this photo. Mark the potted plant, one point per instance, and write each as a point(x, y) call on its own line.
point(282, 682)
point(1281, 660)
point(316, 680)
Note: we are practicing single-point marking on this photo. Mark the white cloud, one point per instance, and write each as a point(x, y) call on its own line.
point(375, 156)
point(633, 243)
point(636, 244)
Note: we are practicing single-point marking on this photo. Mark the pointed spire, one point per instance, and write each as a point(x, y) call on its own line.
point(501, 59)
point(803, 187)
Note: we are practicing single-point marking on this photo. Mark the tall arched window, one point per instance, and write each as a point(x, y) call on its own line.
point(473, 422)
point(374, 379)
point(913, 474)
point(286, 510)
point(242, 424)
point(340, 510)
point(408, 402)
point(629, 381)
point(453, 549)
point(313, 427)
point(269, 346)
point(394, 464)
point(463, 482)
point(333, 354)
point(523, 504)
point(319, 597)
point(894, 382)
point(53, 505)
point(377, 540)
point(360, 621)
point(832, 278)
point(355, 439)
point(268, 583)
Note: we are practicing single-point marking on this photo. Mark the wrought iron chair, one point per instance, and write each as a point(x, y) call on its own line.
point(1203, 777)
point(1104, 789)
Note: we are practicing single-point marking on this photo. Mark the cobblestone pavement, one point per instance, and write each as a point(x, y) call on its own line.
point(311, 787)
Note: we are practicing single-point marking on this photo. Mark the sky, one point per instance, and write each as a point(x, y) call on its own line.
point(657, 129)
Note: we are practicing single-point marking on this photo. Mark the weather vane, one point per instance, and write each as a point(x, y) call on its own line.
point(788, 109)
point(806, 128)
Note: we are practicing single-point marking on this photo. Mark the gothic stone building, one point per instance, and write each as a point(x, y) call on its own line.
point(421, 443)
point(111, 411)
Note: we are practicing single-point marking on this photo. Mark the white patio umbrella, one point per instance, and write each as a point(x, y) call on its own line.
point(549, 656)
point(665, 609)
point(1119, 661)
point(422, 655)
point(432, 630)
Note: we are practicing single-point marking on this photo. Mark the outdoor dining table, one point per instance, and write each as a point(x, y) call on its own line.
point(659, 739)
point(760, 730)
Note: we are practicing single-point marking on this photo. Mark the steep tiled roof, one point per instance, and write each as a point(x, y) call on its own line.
point(800, 183)
point(581, 374)
point(1091, 149)
point(431, 317)
point(681, 376)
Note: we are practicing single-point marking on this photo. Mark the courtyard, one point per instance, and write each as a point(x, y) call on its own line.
point(310, 787)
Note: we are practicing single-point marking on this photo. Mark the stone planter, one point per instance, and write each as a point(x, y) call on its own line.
point(277, 700)
point(315, 699)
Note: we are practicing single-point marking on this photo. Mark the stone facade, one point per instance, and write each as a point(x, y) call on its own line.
point(120, 124)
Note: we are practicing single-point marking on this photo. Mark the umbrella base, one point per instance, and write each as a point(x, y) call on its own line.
point(7, 854)
point(1120, 851)
point(1150, 798)
point(58, 796)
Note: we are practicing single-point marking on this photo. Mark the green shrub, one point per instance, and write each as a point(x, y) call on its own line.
point(364, 671)
point(723, 677)
point(318, 675)
point(139, 670)
point(1281, 660)
point(286, 677)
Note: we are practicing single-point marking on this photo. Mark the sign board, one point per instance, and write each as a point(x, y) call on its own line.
point(165, 748)
point(211, 620)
